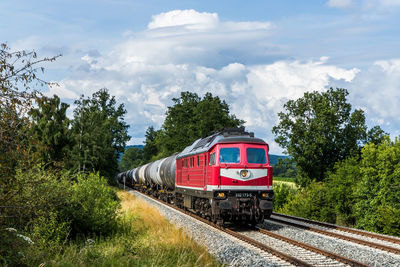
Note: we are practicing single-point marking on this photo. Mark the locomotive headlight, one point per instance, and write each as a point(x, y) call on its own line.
point(264, 195)
point(244, 173)
point(221, 195)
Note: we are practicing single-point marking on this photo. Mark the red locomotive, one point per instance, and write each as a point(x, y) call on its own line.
point(223, 177)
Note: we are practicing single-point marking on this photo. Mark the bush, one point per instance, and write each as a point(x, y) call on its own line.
point(50, 208)
point(93, 206)
point(311, 202)
point(378, 195)
point(282, 195)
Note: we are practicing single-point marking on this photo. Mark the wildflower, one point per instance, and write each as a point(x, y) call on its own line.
point(27, 239)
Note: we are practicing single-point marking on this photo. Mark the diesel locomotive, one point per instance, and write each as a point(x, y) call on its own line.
point(226, 176)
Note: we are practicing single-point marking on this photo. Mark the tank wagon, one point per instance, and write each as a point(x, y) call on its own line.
point(223, 177)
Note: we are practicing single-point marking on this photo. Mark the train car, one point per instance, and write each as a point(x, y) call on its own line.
point(224, 177)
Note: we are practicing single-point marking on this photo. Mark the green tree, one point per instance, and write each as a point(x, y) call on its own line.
point(99, 134)
point(150, 148)
point(132, 158)
point(192, 117)
point(213, 114)
point(18, 79)
point(341, 184)
point(285, 168)
point(51, 129)
point(318, 130)
point(376, 135)
point(378, 195)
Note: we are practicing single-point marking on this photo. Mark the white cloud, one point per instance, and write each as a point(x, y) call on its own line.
point(343, 4)
point(188, 18)
point(151, 67)
point(62, 91)
point(378, 90)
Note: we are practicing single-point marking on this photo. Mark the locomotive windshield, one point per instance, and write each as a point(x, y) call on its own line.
point(229, 155)
point(256, 155)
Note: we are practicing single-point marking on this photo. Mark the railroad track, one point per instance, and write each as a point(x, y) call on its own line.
point(386, 243)
point(305, 255)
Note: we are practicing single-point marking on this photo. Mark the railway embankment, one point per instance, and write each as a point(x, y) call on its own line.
point(283, 243)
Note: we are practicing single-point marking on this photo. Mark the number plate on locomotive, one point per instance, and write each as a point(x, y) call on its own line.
point(244, 195)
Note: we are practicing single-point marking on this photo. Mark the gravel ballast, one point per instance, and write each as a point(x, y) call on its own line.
point(360, 253)
point(224, 247)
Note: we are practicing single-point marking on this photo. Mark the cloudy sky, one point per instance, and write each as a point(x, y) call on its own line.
point(254, 54)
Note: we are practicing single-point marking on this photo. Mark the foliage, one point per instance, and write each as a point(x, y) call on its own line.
point(18, 69)
point(51, 208)
point(132, 158)
point(18, 77)
point(361, 191)
point(150, 149)
point(99, 134)
point(318, 130)
point(341, 184)
point(378, 195)
point(142, 238)
point(282, 194)
point(376, 135)
point(51, 129)
point(311, 202)
point(92, 206)
point(191, 118)
point(285, 168)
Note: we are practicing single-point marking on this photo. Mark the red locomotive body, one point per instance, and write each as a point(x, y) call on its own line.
point(226, 177)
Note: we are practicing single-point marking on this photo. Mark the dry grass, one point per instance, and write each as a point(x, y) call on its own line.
point(160, 236)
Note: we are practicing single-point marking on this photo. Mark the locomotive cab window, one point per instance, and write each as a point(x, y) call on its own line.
point(256, 155)
point(229, 155)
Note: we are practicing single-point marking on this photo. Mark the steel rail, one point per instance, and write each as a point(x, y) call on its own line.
point(312, 248)
point(336, 235)
point(342, 228)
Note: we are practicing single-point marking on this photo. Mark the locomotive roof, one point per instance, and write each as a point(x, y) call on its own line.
point(226, 136)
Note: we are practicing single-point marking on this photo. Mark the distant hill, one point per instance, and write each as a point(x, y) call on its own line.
point(274, 158)
point(137, 146)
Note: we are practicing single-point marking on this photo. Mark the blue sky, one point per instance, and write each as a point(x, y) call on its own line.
point(254, 54)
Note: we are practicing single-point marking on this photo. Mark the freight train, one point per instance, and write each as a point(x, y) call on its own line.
point(224, 177)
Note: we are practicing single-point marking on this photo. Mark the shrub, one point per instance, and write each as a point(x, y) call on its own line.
point(93, 206)
point(311, 202)
point(378, 195)
point(282, 195)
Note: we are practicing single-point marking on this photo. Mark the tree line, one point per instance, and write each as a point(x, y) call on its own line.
point(52, 168)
